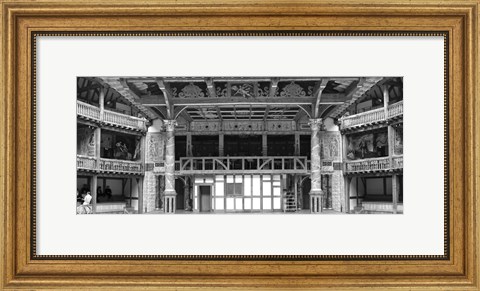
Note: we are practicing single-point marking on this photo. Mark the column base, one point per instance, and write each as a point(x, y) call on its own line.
point(316, 198)
point(169, 201)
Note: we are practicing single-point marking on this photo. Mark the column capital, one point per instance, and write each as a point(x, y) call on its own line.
point(315, 123)
point(169, 125)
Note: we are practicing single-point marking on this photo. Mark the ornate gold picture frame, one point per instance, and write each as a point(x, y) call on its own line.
point(456, 21)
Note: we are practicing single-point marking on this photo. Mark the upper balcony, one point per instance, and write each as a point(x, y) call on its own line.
point(382, 164)
point(372, 117)
point(91, 164)
point(91, 112)
point(244, 165)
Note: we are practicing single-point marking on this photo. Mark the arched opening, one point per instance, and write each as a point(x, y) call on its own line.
point(306, 186)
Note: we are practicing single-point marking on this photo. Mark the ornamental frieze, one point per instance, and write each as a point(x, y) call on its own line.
point(189, 91)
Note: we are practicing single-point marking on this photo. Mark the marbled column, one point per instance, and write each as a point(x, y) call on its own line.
point(170, 193)
point(316, 192)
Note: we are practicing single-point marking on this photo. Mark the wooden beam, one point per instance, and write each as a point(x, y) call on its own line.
point(318, 95)
point(235, 79)
point(183, 113)
point(156, 100)
point(120, 85)
point(167, 96)
point(88, 88)
point(362, 87)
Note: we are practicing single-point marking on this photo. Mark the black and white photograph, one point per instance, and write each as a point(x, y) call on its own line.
point(240, 145)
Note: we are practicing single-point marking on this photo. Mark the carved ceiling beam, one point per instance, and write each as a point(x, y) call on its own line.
point(317, 92)
point(302, 111)
point(181, 111)
point(155, 100)
point(363, 86)
point(235, 79)
point(120, 85)
point(167, 96)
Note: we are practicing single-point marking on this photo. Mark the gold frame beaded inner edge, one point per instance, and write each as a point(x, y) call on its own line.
point(446, 222)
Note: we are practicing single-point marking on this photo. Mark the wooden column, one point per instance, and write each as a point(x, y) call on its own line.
point(297, 144)
point(221, 138)
point(170, 194)
point(347, 181)
point(98, 144)
point(101, 102)
point(391, 143)
point(394, 192)
point(264, 144)
point(316, 192)
point(140, 193)
point(386, 99)
point(93, 192)
point(189, 144)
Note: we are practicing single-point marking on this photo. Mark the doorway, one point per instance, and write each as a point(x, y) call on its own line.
point(306, 186)
point(205, 198)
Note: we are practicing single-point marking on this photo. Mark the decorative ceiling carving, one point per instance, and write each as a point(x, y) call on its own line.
point(189, 91)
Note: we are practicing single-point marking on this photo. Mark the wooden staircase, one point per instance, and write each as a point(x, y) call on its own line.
point(290, 203)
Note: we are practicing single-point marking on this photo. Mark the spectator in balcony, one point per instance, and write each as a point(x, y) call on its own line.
point(85, 208)
point(121, 151)
point(108, 192)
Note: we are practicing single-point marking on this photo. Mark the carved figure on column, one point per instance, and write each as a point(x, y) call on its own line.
point(316, 182)
point(170, 194)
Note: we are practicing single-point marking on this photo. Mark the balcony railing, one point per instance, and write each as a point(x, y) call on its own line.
point(200, 165)
point(86, 162)
point(375, 165)
point(114, 118)
point(120, 166)
point(88, 110)
point(395, 109)
point(372, 116)
point(125, 120)
point(108, 165)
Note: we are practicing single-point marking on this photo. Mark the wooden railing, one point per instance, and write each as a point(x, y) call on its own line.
point(86, 162)
point(120, 166)
point(125, 120)
point(395, 109)
point(108, 165)
point(194, 165)
point(375, 165)
point(88, 110)
point(372, 116)
point(92, 112)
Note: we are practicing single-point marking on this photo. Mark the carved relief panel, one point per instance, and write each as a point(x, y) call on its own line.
point(155, 147)
point(330, 146)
